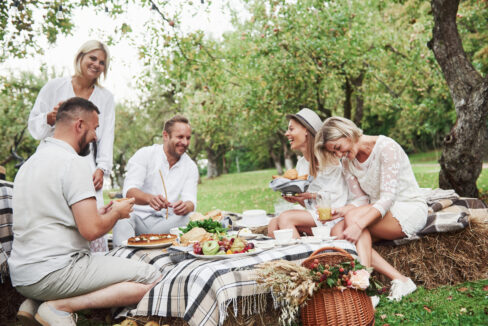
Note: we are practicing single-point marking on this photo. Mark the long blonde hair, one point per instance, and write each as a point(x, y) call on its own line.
point(334, 128)
point(87, 47)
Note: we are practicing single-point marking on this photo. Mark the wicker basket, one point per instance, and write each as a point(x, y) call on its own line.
point(331, 306)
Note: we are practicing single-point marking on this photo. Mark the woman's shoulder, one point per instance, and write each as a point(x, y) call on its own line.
point(56, 83)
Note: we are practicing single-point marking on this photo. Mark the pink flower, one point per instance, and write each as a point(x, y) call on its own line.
point(359, 279)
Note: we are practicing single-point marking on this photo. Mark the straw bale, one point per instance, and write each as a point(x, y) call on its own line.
point(442, 258)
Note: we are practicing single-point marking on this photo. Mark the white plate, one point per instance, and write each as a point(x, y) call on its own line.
point(310, 240)
point(241, 223)
point(267, 244)
point(328, 239)
point(244, 254)
point(288, 243)
point(247, 236)
point(155, 245)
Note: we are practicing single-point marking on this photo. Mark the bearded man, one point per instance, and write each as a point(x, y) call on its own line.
point(55, 216)
point(153, 211)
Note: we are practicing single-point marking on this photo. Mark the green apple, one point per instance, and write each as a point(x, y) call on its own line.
point(210, 247)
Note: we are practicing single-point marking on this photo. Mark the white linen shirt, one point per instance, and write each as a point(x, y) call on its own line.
point(45, 232)
point(143, 173)
point(61, 89)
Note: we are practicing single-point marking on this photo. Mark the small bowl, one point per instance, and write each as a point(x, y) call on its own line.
point(321, 232)
point(283, 235)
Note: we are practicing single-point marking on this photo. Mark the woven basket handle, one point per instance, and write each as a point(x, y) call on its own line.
point(318, 251)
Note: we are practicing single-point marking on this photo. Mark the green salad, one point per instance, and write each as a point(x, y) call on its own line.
point(209, 225)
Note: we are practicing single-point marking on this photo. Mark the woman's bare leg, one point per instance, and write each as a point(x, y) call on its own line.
point(293, 218)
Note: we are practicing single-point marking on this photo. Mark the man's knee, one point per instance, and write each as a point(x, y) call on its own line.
point(122, 230)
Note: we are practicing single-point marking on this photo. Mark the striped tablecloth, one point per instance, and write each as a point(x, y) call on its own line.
point(6, 233)
point(199, 291)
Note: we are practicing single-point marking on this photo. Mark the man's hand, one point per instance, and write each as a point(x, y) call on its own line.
point(181, 207)
point(158, 202)
point(105, 209)
point(51, 116)
point(123, 208)
point(98, 179)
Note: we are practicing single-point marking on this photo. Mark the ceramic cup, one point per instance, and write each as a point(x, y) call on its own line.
point(283, 236)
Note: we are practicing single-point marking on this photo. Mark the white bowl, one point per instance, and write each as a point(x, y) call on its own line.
point(254, 217)
point(322, 232)
point(283, 235)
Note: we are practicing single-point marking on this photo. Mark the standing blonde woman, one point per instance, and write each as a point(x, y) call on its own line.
point(379, 175)
point(91, 60)
point(302, 128)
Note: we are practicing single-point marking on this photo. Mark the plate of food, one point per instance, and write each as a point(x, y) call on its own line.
point(227, 256)
point(224, 248)
point(245, 233)
point(290, 183)
point(150, 240)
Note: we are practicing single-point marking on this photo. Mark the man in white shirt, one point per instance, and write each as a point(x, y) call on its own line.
point(157, 209)
point(55, 216)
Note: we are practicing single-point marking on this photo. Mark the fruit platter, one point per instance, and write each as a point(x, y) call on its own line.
point(223, 247)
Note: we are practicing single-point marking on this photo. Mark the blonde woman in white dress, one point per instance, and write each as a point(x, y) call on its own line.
point(91, 60)
point(388, 203)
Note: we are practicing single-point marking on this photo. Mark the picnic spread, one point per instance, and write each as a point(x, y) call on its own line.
point(200, 290)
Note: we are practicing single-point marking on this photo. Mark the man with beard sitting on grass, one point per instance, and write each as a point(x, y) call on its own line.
point(55, 216)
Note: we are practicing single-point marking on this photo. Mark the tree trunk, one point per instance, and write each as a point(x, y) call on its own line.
point(212, 171)
point(287, 153)
point(461, 160)
point(277, 162)
point(347, 100)
point(358, 85)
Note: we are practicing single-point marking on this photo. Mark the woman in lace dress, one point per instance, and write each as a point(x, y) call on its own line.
point(388, 203)
point(302, 128)
point(91, 61)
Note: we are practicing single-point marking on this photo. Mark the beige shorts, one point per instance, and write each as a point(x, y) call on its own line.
point(87, 273)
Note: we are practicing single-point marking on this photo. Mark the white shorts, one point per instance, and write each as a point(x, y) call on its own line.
point(412, 216)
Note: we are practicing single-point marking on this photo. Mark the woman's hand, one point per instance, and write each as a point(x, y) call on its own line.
point(352, 232)
point(51, 116)
point(305, 196)
point(341, 211)
point(98, 179)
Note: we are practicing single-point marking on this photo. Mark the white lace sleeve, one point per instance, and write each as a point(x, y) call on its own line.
point(356, 195)
point(389, 157)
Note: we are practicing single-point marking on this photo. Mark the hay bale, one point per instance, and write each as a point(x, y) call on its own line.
point(442, 258)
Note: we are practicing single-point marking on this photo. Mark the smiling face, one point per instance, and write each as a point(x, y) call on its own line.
point(93, 64)
point(342, 147)
point(176, 143)
point(297, 136)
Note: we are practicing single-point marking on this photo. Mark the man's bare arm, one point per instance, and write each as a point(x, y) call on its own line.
point(91, 224)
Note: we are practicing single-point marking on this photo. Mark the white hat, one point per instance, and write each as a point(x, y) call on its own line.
point(309, 119)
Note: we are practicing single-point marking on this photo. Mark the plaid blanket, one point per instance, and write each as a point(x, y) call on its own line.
point(199, 290)
point(6, 234)
point(448, 215)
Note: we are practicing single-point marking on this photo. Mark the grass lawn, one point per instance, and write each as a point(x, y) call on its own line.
point(463, 304)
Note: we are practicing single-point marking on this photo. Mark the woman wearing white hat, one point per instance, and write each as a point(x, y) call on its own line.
point(302, 128)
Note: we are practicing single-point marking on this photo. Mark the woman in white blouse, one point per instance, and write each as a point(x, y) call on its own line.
point(91, 60)
point(388, 203)
point(302, 128)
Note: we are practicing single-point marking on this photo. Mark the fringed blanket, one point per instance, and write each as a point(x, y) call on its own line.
point(447, 213)
point(199, 290)
point(6, 235)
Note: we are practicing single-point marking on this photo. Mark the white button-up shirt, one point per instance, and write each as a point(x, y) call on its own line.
point(181, 179)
